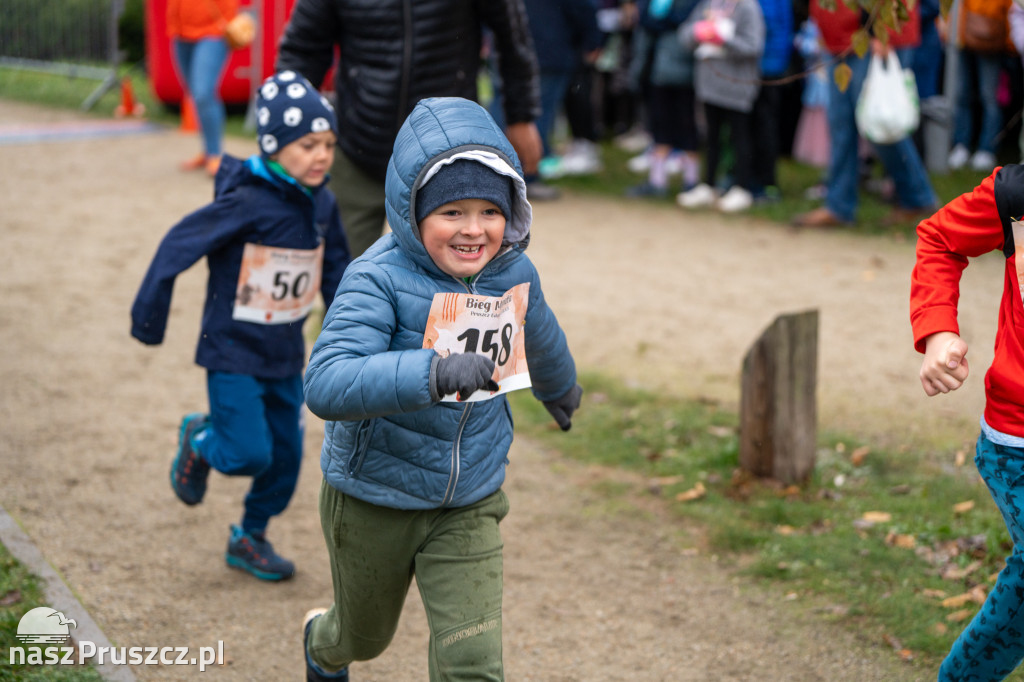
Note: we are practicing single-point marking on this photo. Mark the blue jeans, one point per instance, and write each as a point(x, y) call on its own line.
point(977, 77)
point(901, 160)
point(553, 87)
point(256, 430)
point(992, 645)
point(201, 65)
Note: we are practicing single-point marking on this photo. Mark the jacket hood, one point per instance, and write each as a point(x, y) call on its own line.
point(439, 131)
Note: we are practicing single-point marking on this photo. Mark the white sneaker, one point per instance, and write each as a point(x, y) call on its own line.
point(674, 164)
point(958, 157)
point(641, 163)
point(698, 197)
point(983, 161)
point(582, 158)
point(735, 200)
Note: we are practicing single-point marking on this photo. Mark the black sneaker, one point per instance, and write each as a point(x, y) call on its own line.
point(189, 470)
point(315, 673)
point(252, 552)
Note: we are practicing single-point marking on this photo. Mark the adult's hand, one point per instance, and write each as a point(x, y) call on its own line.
point(526, 141)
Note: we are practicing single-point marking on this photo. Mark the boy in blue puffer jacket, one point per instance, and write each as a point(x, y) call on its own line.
point(272, 238)
point(428, 328)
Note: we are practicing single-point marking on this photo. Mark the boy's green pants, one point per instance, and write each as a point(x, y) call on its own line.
point(456, 556)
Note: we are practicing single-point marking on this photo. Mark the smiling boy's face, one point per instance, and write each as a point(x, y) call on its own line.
point(463, 236)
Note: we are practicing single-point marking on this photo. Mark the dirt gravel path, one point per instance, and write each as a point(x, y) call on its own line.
point(88, 422)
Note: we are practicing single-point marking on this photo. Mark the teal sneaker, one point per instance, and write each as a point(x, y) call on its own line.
point(315, 673)
point(189, 470)
point(252, 552)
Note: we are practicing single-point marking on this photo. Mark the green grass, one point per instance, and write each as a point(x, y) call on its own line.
point(20, 592)
point(810, 540)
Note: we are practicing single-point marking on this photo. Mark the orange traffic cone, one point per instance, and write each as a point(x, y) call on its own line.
point(188, 116)
point(128, 105)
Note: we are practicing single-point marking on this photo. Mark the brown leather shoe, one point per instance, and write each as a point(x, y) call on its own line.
point(902, 215)
point(819, 217)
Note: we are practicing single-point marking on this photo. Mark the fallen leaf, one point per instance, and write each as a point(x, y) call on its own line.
point(877, 517)
point(900, 540)
point(959, 458)
point(901, 489)
point(11, 598)
point(721, 431)
point(840, 447)
point(785, 530)
point(666, 480)
point(957, 601)
point(694, 493)
point(958, 616)
point(892, 641)
point(930, 592)
point(858, 456)
point(790, 491)
point(940, 628)
point(963, 507)
point(906, 655)
point(956, 573)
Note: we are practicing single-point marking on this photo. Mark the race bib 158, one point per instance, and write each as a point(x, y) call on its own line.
point(488, 325)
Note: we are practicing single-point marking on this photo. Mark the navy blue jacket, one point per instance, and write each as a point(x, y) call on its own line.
point(563, 30)
point(251, 205)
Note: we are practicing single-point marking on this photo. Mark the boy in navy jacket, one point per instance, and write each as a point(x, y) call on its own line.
point(272, 237)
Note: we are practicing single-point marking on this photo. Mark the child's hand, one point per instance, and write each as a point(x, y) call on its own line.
point(563, 408)
point(464, 374)
point(945, 363)
point(704, 31)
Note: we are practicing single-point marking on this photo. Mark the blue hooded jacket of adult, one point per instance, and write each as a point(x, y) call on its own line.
point(388, 440)
point(252, 204)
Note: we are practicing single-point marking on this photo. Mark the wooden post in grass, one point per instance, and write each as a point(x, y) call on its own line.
point(778, 405)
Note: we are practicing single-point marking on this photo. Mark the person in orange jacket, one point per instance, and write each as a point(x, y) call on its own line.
point(979, 63)
point(196, 31)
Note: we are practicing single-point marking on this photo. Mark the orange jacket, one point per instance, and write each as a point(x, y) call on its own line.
point(997, 9)
point(195, 19)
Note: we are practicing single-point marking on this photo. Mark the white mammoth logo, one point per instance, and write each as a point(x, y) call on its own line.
point(263, 116)
point(320, 125)
point(296, 90)
point(268, 143)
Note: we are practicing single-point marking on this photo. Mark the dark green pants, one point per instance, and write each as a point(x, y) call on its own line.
point(360, 202)
point(456, 557)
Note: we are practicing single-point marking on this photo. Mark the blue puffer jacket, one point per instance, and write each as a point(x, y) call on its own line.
point(387, 440)
point(251, 205)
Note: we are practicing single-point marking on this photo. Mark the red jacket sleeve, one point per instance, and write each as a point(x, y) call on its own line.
point(966, 227)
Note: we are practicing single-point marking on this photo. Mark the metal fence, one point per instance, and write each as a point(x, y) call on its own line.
point(77, 38)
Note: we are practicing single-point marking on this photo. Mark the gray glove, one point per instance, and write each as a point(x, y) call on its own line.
point(563, 408)
point(464, 373)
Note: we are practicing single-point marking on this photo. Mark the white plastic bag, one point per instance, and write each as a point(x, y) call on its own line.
point(888, 109)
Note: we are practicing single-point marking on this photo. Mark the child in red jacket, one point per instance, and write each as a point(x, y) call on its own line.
point(987, 219)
